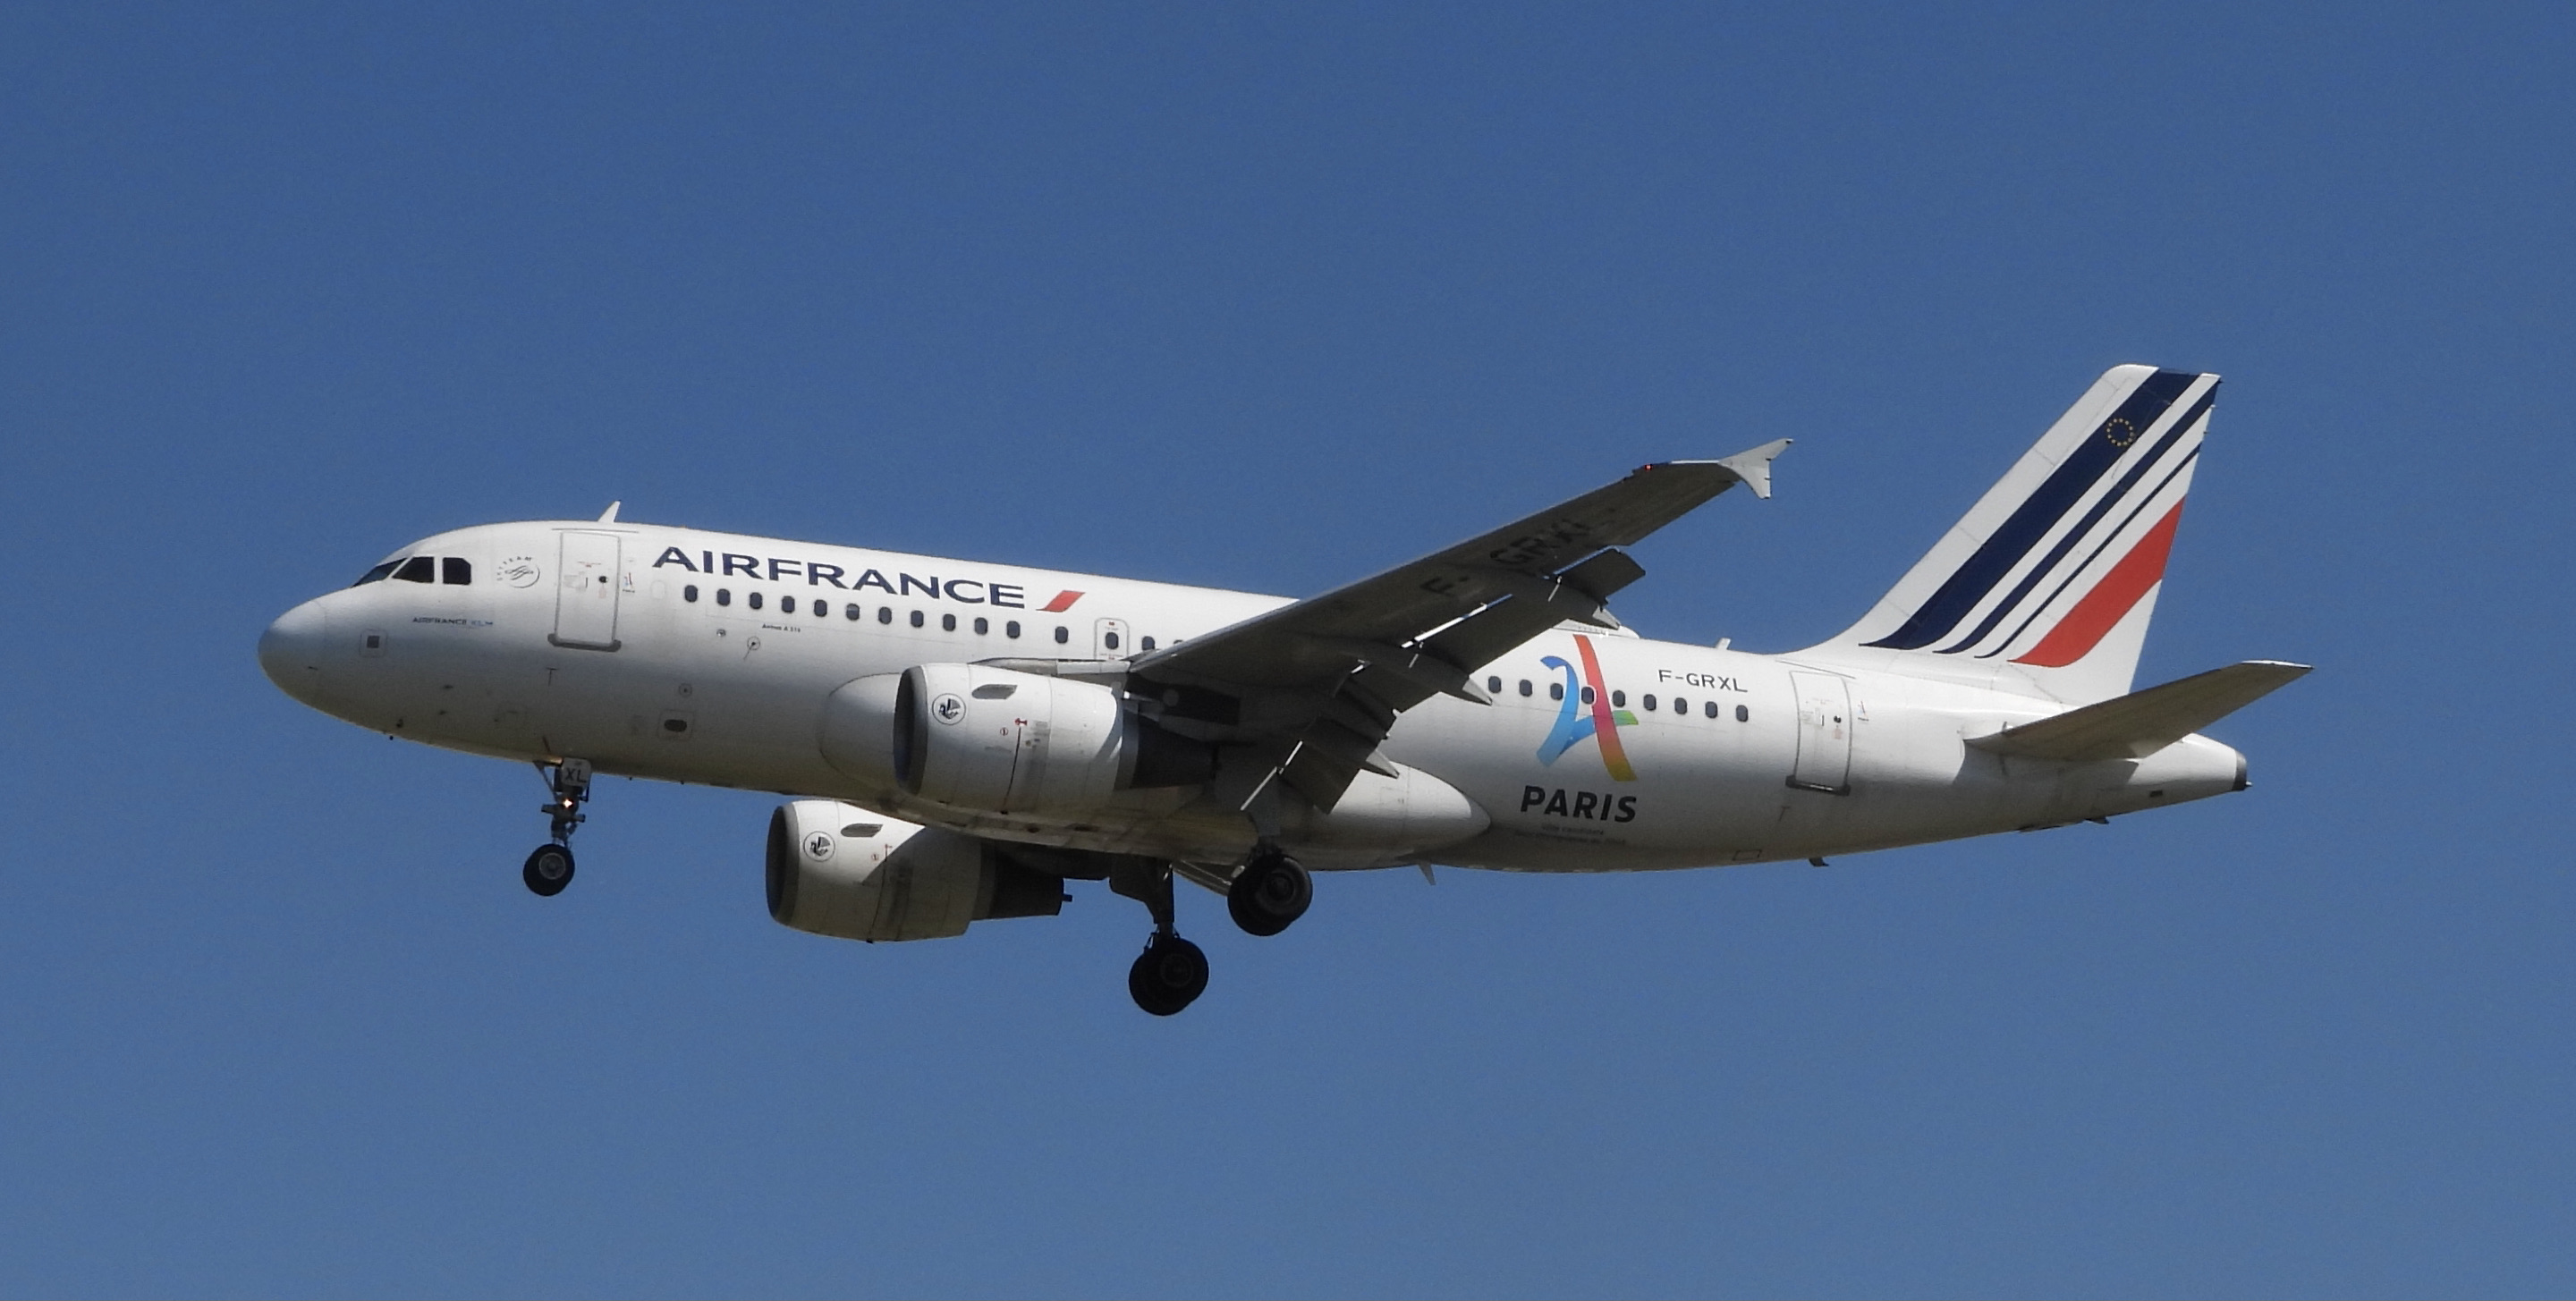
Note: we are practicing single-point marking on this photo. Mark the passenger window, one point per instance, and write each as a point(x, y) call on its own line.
point(982, 625)
point(851, 611)
point(787, 605)
point(1710, 708)
point(1493, 686)
point(1681, 706)
point(1743, 715)
point(1525, 686)
point(1109, 640)
point(377, 574)
point(1062, 634)
point(916, 618)
point(948, 623)
point(455, 571)
point(689, 593)
point(1619, 700)
point(417, 570)
point(1587, 695)
point(1556, 691)
point(885, 614)
point(751, 599)
point(1648, 702)
point(724, 596)
point(1149, 643)
point(1011, 629)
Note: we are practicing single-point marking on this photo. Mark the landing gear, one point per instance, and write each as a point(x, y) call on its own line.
point(1168, 975)
point(549, 870)
point(1270, 892)
point(1171, 973)
point(549, 867)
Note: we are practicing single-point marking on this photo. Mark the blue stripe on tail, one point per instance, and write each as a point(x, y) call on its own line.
point(2040, 512)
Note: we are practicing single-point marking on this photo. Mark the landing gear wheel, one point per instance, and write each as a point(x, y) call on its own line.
point(1269, 893)
point(1168, 976)
point(548, 870)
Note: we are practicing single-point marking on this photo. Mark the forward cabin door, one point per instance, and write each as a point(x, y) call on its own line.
point(1824, 732)
point(586, 592)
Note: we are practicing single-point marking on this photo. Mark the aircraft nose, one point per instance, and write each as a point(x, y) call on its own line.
point(290, 652)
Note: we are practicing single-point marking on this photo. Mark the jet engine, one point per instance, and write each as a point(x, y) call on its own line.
point(978, 737)
point(836, 869)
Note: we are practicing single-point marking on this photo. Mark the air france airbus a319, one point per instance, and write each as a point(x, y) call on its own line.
point(959, 739)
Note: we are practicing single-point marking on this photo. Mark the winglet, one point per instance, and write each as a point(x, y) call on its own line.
point(609, 516)
point(1753, 465)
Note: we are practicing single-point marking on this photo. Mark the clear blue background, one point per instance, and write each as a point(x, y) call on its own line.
point(1270, 298)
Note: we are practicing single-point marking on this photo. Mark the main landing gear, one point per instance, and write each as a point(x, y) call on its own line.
point(1267, 893)
point(549, 866)
point(1270, 892)
point(1171, 973)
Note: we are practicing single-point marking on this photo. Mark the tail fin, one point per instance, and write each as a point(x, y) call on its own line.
point(2048, 583)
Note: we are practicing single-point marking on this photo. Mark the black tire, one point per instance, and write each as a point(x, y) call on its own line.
point(1169, 975)
point(548, 870)
point(1271, 892)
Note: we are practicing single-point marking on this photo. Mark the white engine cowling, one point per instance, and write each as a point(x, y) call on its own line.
point(978, 737)
point(836, 869)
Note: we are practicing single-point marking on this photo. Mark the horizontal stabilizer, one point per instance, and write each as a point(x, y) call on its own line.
point(2140, 723)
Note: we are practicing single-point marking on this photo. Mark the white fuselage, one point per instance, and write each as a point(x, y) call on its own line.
point(580, 639)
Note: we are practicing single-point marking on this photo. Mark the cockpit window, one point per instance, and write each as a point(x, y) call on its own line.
point(418, 569)
point(377, 574)
point(455, 571)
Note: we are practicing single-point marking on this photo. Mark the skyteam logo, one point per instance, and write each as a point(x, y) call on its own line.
point(1597, 720)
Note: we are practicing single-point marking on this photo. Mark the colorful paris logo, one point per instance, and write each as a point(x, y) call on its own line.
point(1587, 713)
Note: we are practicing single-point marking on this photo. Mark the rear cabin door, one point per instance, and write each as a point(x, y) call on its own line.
point(586, 592)
point(1824, 732)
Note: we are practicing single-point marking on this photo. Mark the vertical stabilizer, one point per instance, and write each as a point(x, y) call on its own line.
point(2047, 584)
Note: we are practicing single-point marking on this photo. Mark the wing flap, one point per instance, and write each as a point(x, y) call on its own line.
point(2140, 723)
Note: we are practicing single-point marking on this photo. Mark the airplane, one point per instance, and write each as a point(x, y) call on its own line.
point(958, 740)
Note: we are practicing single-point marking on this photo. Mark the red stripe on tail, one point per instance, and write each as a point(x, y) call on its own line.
point(2092, 619)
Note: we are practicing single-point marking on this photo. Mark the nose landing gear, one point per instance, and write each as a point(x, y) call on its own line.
point(548, 869)
point(549, 866)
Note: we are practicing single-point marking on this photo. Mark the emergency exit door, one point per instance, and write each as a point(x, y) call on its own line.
point(1824, 732)
point(1109, 640)
point(586, 592)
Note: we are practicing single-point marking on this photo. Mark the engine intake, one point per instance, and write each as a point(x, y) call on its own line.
point(836, 869)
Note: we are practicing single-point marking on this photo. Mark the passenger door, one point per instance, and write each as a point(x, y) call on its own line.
point(1824, 733)
point(586, 592)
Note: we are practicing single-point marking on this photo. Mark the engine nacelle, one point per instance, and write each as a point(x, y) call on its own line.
point(977, 737)
point(836, 869)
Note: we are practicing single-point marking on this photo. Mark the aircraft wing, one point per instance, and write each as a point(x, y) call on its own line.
point(1325, 678)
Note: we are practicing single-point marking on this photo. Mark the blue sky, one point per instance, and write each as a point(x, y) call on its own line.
point(1270, 298)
